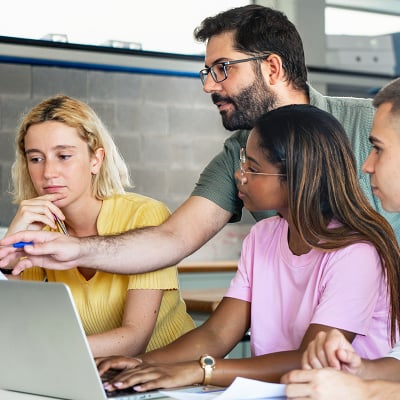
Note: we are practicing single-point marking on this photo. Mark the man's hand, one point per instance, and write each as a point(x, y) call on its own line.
point(51, 250)
point(324, 384)
point(332, 350)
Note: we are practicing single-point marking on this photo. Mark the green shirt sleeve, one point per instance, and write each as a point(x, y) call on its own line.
point(217, 181)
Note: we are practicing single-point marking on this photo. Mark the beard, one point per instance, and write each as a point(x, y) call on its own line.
point(252, 102)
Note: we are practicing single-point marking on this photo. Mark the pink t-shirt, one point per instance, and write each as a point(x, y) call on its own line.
point(344, 289)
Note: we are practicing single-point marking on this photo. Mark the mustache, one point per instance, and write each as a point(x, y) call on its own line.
point(216, 97)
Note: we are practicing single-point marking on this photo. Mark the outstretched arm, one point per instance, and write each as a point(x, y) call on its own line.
point(140, 250)
point(177, 364)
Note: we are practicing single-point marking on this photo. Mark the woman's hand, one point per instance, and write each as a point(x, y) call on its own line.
point(34, 214)
point(144, 376)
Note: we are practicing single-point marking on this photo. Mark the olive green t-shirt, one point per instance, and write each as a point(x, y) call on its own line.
point(217, 182)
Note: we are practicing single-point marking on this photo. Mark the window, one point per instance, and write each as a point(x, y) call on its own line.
point(156, 25)
point(344, 21)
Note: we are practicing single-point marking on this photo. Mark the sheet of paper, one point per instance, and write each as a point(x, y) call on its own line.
point(241, 388)
point(2, 276)
point(192, 393)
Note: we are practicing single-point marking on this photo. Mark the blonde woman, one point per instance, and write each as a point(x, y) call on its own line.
point(68, 168)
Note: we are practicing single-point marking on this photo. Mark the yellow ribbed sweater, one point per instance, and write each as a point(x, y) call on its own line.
point(100, 301)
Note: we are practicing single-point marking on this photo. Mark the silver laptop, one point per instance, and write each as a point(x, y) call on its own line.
point(44, 349)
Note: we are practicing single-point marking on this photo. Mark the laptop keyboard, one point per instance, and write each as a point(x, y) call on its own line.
point(125, 394)
point(122, 393)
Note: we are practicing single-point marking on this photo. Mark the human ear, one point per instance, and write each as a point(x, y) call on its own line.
point(273, 67)
point(97, 160)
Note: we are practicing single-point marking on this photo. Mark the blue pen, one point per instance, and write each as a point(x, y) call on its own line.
point(19, 245)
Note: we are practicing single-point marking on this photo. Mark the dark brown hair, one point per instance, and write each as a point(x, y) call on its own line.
point(259, 30)
point(390, 93)
point(312, 149)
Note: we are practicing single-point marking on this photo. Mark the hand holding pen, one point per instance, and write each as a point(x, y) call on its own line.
point(33, 214)
point(36, 213)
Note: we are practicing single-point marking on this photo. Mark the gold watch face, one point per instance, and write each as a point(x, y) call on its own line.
point(208, 361)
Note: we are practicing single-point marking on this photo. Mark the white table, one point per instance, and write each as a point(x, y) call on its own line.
point(8, 395)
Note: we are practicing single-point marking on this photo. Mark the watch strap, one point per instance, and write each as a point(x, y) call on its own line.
point(207, 375)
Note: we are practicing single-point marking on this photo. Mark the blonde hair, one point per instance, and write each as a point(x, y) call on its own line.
point(113, 175)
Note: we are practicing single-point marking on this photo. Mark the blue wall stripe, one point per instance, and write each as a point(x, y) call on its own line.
point(94, 66)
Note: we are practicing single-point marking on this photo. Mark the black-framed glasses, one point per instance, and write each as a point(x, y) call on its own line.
point(219, 71)
point(243, 171)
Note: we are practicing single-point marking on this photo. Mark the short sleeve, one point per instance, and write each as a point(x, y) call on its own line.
point(352, 289)
point(241, 284)
point(163, 279)
point(130, 211)
point(217, 181)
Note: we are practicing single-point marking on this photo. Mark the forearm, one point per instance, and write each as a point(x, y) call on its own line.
point(269, 368)
point(381, 390)
point(151, 248)
point(387, 368)
point(331, 384)
point(190, 346)
point(136, 251)
point(217, 336)
point(123, 341)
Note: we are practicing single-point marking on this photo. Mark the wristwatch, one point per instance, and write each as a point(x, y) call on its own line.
point(6, 271)
point(208, 364)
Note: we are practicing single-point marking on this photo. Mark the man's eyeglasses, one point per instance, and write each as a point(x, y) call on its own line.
point(243, 171)
point(219, 71)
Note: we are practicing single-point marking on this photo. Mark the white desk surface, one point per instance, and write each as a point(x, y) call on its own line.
point(8, 395)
